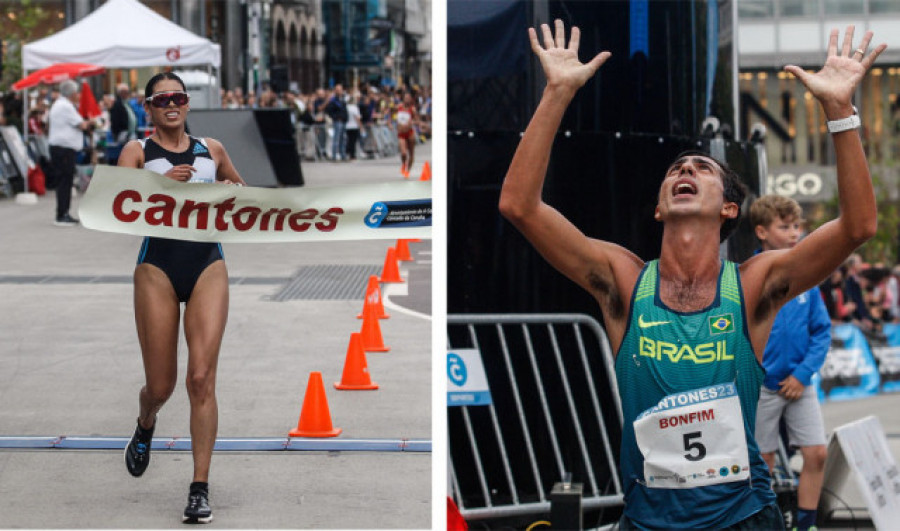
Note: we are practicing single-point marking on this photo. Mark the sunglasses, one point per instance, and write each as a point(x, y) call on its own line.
point(163, 99)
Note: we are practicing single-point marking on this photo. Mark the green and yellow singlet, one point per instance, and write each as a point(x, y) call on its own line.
point(689, 384)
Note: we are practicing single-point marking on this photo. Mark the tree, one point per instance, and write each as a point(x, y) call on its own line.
point(17, 25)
point(883, 247)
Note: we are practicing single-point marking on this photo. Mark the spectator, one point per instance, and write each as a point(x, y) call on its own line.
point(12, 110)
point(353, 122)
point(853, 290)
point(66, 139)
point(336, 109)
point(795, 351)
point(36, 123)
point(307, 133)
point(425, 114)
point(136, 103)
point(893, 294)
point(123, 121)
point(268, 99)
point(839, 309)
point(318, 104)
point(367, 109)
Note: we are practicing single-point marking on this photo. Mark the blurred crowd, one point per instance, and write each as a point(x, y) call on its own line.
point(357, 110)
point(867, 295)
point(376, 104)
point(364, 106)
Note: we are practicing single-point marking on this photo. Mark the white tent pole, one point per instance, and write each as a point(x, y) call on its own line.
point(24, 113)
point(209, 85)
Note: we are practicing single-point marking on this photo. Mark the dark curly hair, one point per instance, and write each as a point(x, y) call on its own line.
point(734, 190)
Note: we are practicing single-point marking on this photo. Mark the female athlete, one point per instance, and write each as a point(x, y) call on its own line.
point(407, 118)
point(171, 272)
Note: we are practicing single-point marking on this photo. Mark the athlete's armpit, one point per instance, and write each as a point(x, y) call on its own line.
point(605, 291)
point(771, 299)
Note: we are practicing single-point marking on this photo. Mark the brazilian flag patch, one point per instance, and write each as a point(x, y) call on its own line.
point(719, 324)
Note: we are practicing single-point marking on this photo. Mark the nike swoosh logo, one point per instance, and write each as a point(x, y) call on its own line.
point(647, 324)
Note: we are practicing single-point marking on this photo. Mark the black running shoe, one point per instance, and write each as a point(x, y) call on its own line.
point(197, 510)
point(137, 453)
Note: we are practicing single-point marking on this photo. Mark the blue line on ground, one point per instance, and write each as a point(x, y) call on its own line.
point(241, 444)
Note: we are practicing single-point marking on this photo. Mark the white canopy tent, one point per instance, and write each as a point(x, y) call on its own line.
point(123, 34)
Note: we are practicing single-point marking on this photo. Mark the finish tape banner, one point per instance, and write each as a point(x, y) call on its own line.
point(141, 202)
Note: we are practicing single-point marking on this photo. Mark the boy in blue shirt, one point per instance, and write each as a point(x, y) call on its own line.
point(798, 343)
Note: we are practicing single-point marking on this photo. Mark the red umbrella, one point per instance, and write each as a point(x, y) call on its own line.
point(57, 74)
point(88, 107)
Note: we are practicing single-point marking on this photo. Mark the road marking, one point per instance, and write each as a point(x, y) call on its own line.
point(235, 444)
point(398, 289)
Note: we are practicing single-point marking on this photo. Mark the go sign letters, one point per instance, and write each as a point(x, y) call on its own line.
point(805, 183)
point(466, 382)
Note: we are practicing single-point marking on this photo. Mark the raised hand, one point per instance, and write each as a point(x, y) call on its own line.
point(560, 62)
point(835, 83)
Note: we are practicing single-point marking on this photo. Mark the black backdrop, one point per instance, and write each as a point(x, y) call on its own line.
point(671, 68)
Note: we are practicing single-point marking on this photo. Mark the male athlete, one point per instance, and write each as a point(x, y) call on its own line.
point(690, 329)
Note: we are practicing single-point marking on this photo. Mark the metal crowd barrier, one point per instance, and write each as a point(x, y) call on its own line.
point(376, 141)
point(555, 411)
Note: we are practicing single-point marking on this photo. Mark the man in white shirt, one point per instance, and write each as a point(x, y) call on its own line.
point(66, 139)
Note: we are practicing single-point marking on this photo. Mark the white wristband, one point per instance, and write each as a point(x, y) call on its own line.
point(844, 124)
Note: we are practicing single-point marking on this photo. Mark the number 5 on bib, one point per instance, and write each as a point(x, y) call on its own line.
point(693, 439)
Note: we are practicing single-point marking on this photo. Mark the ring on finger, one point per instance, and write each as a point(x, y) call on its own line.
point(860, 51)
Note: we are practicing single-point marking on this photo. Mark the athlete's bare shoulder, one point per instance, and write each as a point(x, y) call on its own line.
point(214, 145)
point(611, 279)
point(132, 155)
point(764, 292)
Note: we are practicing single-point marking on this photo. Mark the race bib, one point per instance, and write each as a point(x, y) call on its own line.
point(694, 439)
point(403, 117)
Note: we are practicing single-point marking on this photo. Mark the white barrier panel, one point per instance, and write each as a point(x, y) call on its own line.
point(860, 450)
point(467, 383)
point(141, 202)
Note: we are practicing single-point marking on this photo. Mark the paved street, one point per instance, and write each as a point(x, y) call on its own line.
point(70, 366)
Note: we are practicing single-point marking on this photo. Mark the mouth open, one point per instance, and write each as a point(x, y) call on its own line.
point(684, 187)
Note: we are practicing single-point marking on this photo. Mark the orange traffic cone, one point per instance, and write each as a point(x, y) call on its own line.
point(373, 300)
point(356, 370)
point(426, 172)
point(403, 251)
point(371, 334)
point(315, 419)
point(390, 272)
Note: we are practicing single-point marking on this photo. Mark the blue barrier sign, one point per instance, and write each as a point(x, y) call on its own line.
point(888, 358)
point(466, 381)
point(849, 370)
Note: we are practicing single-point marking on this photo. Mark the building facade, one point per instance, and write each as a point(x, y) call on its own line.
point(773, 33)
point(291, 44)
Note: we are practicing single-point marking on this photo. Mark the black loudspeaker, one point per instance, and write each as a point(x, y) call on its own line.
point(278, 78)
point(252, 136)
point(277, 132)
